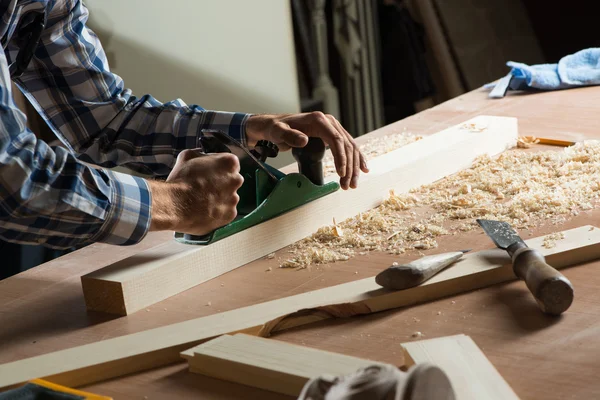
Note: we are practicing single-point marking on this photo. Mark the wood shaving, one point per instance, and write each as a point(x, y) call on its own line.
point(525, 189)
point(550, 240)
point(472, 127)
point(375, 147)
point(336, 230)
point(525, 142)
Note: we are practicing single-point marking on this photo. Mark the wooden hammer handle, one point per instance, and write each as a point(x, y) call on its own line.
point(551, 289)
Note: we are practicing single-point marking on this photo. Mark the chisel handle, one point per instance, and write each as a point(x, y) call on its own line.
point(399, 277)
point(551, 289)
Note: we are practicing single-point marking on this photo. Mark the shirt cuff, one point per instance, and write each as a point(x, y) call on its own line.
point(232, 123)
point(128, 219)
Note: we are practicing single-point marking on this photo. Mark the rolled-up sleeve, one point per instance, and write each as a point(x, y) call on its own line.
point(49, 197)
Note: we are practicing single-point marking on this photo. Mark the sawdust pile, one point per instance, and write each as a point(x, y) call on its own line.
point(375, 147)
point(550, 240)
point(525, 189)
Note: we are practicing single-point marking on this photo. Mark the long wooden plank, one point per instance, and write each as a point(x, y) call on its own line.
point(472, 375)
point(156, 274)
point(269, 364)
point(143, 350)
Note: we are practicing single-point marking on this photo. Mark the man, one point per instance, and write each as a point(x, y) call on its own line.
point(48, 196)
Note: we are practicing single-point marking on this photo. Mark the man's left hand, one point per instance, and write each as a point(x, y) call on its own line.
point(293, 130)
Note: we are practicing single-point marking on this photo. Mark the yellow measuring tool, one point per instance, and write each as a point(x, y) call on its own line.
point(41, 389)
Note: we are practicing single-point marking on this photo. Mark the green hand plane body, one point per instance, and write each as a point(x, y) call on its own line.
point(266, 192)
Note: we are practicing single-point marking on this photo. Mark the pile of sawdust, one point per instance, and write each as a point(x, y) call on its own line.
point(525, 189)
point(550, 240)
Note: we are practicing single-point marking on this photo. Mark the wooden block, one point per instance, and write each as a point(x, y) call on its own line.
point(160, 346)
point(471, 374)
point(269, 364)
point(158, 273)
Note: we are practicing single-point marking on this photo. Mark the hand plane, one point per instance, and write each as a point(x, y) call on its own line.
point(266, 192)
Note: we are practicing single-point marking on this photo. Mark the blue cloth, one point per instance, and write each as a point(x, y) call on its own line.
point(575, 70)
point(47, 194)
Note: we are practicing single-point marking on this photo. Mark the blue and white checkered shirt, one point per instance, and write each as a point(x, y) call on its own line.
point(47, 195)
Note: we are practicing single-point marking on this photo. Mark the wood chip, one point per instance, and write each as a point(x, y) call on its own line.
point(375, 147)
point(473, 127)
point(336, 230)
point(525, 142)
point(550, 240)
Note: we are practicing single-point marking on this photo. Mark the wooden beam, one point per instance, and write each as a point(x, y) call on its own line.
point(269, 364)
point(471, 374)
point(163, 271)
point(160, 346)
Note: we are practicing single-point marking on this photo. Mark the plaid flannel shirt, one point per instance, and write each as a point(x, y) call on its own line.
point(47, 195)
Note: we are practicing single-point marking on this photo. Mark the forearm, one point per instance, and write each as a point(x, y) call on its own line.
point(48, 197)
point(165, 213)
point(96, 116)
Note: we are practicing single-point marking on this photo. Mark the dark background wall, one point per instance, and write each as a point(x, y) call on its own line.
point(564, 27)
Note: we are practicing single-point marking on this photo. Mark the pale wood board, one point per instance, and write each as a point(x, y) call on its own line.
point(160, 346)
point(285, 368)
point(269, 364)
point(158, 273)
point(472, 375)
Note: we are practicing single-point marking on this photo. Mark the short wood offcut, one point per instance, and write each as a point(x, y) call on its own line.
point(267, 363)
point(472, 375)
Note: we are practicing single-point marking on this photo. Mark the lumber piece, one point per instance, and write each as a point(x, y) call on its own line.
point(269, 364)
point(171, 268)
point(285, 368)
point(472, 375)
point(160, 346)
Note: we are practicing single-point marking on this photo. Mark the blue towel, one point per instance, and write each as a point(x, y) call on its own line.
point(575, 70)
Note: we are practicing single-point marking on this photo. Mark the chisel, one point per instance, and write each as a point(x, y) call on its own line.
point(551, 289)
point(398, 277)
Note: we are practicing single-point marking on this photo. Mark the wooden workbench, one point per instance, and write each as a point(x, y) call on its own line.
point(42, 310)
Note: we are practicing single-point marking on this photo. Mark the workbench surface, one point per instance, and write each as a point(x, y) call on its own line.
point(43, 310)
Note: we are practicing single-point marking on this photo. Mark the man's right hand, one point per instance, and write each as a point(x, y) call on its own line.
point(199, 194)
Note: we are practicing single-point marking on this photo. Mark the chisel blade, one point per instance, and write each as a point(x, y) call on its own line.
point(500, 232)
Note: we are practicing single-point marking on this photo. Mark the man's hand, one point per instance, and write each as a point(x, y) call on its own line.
point(199, 194)
point(293, 130)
